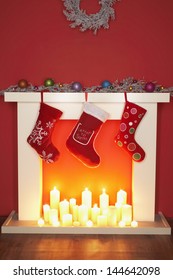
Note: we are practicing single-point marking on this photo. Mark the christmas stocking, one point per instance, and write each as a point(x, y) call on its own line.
point(81, 140)
point(132, 116)
point(40, 137)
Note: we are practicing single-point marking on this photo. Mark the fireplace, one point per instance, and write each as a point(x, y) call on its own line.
point(30, 166)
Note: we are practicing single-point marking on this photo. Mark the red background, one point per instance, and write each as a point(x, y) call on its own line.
point(36, 42)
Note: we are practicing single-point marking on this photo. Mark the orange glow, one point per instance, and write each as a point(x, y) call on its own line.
point(71, 177)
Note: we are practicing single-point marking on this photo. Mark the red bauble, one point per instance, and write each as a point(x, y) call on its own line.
point(23, 83)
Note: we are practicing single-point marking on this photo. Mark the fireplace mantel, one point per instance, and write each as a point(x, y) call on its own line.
point(30, 170)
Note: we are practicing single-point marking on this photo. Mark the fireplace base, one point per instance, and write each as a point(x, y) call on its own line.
point(12, 225)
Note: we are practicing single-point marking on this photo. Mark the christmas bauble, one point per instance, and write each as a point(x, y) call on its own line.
point(49, 82)
point(23, 83)
point(149, 87)
point(106, 84)
point(76, 86)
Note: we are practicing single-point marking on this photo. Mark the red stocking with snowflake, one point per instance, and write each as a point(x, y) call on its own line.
point(81, 140)
point(40, 137)
point(131, 117)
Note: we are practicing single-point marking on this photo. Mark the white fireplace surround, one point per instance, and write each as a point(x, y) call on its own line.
point(30, 165)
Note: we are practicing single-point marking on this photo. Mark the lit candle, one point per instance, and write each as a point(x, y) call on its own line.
point(46, 210)
point(102, 220)
point(54, 198)
point(112, 216)
point(104, 201)
point(127, 214)
point(72, 202)
point(53, 216)
point(83, 215)
point(67, 220)
point(121, 197)
point(119, 210)
point(63, 208)
point(95, 211)
point(87, 198)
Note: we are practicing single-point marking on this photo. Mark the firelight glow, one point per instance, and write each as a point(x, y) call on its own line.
point(69, 213)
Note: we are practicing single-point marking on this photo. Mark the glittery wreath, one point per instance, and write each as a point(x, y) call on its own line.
point(89, 22)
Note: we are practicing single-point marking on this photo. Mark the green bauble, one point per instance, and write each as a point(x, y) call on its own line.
point(49, 82)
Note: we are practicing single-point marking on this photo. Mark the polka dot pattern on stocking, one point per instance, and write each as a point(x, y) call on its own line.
point(125, 138)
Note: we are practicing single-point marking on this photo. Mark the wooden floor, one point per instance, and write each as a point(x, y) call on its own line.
point(82, 247)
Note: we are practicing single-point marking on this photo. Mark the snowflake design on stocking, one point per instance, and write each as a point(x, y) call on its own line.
point(47, 157)
point(37, 134)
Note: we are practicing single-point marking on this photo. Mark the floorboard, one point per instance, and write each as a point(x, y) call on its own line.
point(86, 247)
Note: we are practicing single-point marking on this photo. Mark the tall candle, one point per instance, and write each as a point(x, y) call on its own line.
point(72, 202)
point(95, 211)
point(63, 208)
point(54, 198)
point(53, 216)
point(121, 197)
point(127, 214)
point(46, 210)
point(87, 198)
point(83, 214)
point(112, 216)
point(75, 213)
point(118, 207)
point(104, 201)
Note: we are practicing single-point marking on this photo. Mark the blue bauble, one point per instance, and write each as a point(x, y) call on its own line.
point(106, 84)
point(76, 86)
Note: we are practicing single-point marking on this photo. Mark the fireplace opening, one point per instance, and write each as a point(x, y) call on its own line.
point(71, 176)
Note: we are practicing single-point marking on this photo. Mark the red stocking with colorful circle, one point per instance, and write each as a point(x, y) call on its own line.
point(131, 117)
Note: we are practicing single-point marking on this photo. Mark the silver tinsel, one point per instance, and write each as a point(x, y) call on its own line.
point(89, 22)
point(126, 85)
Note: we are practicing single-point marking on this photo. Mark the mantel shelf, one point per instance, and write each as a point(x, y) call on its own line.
point(78, 97)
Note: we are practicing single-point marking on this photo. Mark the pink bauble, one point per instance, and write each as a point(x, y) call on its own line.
point(149, 87)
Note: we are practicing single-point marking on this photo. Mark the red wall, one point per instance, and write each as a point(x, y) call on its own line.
point(37, 42)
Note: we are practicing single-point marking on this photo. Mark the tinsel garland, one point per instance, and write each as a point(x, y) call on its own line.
point(126, 85)
point(92, 22)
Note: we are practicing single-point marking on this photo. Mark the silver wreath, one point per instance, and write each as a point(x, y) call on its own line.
point(93, 21)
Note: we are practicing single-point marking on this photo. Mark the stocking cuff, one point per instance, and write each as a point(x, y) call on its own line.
point(95, 111)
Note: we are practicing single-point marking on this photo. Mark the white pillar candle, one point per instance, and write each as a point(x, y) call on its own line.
point(121, 197)
point(95, 211)
point(72, 202)
point(102, 221)
point(54, 198)
point(67, 220)
point(112, 216)
point(119, 210)
point(127, 214)
point(87, 198)
point(103, 201)
point(53, 216)
point(46, 210)
point(63, 208)
point(75, 213)
point(83, 215)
